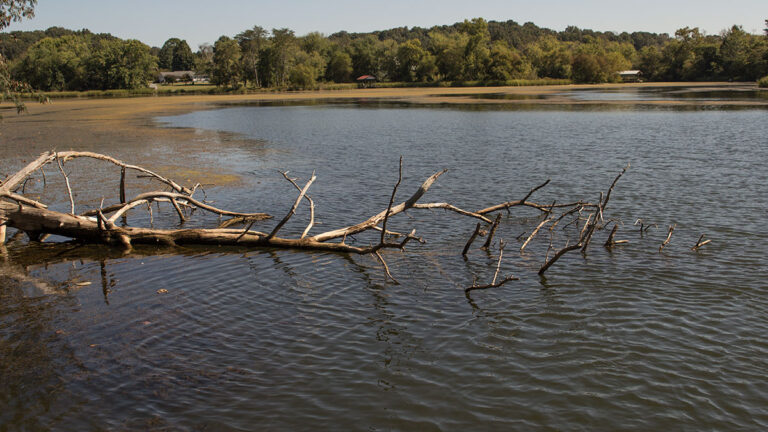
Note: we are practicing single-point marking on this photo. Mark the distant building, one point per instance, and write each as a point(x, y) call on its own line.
point(631, 76)
point(180, 76)
point(366, 81)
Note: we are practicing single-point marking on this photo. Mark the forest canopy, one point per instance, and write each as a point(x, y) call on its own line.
point(474, 51)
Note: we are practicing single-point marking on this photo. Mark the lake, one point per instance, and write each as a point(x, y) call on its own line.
point(626, 338)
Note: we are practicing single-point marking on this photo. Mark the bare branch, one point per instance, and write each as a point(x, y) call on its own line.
point(311, 204)
point(557, 256)
point(533, 234)
point(69, 188)
point(491, 232)
point(376, 219)
point(498, 264)
point(493, 283)
point(386, 267)
point(293, 208)
point(700, 243)
point(450, 207)
point(182, 218)
point(669, 237)
point(610, 242)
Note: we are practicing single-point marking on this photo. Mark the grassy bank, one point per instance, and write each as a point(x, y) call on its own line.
point(204, 89)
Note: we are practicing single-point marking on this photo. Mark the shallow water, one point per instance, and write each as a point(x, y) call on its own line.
point(625, 339)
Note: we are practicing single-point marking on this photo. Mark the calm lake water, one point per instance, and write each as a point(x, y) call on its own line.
point(622, 339)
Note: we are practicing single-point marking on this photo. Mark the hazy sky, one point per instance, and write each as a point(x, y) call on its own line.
point(198, 21)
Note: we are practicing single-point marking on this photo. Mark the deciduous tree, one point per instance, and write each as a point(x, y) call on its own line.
point(339, 66)
point(182, 59)
point(56, 63)
point(165, 56)
point(252, 42)
point(12, 10)
point(226, 62)
point(120, 64)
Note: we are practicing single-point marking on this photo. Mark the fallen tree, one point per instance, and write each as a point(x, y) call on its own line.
point(100, 225)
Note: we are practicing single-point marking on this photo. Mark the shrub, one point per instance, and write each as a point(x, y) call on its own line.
point(763, 82)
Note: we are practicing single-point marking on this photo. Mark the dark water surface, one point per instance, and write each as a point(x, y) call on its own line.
point(628, 339)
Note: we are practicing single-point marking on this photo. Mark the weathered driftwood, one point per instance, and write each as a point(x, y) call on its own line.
point(669, 237)
point(588, 230)
point(99, 225)
point(611, 242)
point(700, 243)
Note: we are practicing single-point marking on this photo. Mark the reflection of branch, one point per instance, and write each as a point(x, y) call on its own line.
point(471, 239)
point(386, 267)
point(493, 283)
point(19, 274)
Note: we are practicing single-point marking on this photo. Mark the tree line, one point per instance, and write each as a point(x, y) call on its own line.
point(472, 51)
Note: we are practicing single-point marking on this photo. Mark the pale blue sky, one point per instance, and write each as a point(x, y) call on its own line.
point(198, 21)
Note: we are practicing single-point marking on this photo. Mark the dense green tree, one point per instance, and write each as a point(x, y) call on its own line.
point(13, 45)
point(678, 55)
point(339, 67)
point(651, 63)
point(182, 59)
point(165, 56)
point(252, 42)
point(314, 43)
point(409, 56)
point(586, 69)
point(279, 56)
point(472, 50)
point(56, 64)
point(226, 62)
point(507, 63)
point(120, 64)
point(448, 49)
point(477, 54)
point(12, 10)
point(550, 57)
point(387, 65)
point(302, 76)
point(364, 56)
point(313, 67)
point(744, 56)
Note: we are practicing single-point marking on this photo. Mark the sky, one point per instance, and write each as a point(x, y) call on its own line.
point(198, 21)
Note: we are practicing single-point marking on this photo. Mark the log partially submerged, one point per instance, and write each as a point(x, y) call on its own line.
point(99, 225)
